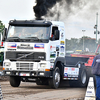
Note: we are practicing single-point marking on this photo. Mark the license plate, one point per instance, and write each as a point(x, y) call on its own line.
point(24, 74)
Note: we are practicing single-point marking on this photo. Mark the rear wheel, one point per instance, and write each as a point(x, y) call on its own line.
point(15, 81)
point(82, 80)
point(55, 81)
point(83, 77)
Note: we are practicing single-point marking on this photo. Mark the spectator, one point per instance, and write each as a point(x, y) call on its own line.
point(96, 72)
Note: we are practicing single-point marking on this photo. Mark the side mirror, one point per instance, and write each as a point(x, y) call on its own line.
point(4, 34)
point(56, 34)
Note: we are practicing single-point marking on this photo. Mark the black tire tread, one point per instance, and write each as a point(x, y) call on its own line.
point(52, 81)
point(14, 81)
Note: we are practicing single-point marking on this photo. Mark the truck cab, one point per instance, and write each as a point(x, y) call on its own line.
point(35, 52)
point(32, 51)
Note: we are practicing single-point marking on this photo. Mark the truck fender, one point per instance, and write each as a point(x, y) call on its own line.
point(59, 62)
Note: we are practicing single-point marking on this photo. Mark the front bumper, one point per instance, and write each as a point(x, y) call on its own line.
point(27, 73)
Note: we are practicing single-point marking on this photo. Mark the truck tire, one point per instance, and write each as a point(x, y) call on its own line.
point(55, 81)
point(15, 81)
point(82, 79)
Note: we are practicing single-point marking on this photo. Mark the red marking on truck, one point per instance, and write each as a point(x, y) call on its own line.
point(66, 68)
point(91, 57)
point(24, 74)
point(72, 69)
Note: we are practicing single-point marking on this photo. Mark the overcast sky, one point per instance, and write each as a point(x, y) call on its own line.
point(16, 9)
point(78, 20)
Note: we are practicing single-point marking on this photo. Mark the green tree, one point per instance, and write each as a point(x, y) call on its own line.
point(72, 44)
point(77, 44)
point(1, 27)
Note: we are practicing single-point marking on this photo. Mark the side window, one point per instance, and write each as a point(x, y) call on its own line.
point(53, 31)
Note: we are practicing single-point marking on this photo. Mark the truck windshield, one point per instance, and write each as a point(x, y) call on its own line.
point(26, 32)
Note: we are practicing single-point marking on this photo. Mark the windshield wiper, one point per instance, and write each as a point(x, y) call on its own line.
point(13, 38)
point(34, 38)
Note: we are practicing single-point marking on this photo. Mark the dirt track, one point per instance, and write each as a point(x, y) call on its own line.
point(32, 91)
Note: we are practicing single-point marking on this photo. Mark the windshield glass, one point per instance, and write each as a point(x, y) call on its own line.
point(26, 32)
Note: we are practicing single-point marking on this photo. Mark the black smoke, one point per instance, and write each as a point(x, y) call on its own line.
point(43, 7)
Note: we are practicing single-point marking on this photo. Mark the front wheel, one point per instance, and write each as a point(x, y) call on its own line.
point(15, 81)
point(55, 81)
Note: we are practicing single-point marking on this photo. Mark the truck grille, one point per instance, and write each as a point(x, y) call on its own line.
point(24, 66)
point(25, 56)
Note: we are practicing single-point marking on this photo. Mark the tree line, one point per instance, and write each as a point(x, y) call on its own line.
point(84, 43)
point(1, 27)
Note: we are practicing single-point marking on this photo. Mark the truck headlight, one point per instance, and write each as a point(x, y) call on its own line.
point(42, 65)
point(7, 64)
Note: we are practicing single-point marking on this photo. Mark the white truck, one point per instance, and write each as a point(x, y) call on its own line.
point(35, 52)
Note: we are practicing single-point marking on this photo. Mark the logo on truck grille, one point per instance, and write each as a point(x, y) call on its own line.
point(41, 57)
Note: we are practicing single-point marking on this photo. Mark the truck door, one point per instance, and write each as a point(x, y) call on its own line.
point(54, 44)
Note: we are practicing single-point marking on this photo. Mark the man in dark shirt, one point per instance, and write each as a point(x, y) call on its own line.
point(96, 72)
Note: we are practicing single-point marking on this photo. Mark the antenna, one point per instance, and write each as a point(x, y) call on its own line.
point(96, 32)
point(96, 28)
